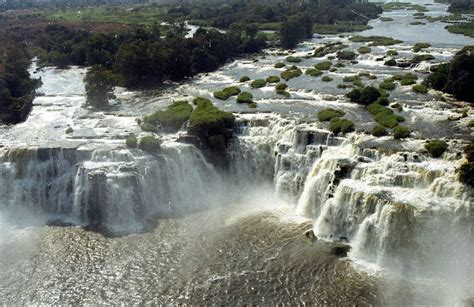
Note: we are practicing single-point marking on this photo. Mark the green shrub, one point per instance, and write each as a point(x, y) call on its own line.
point(326, 79)
point(323, 65)
point(252, 105)
point(420, 46)
point(279, 65)
point(328, 114)
point(313, 72)
point(466, 173)
point(244, 79)
point(365, 96)
point(199, 100)
point(436, 148)
point(150, 144)
point(392, 52)
point(388, 120)
point(148, 127)
point(258, 83)
point(364, 50)
point(420, 88)
point(291, 73)
point(382, 101)
point(293, 59)
point(341, 125)
point(422, 57)
point(385, 19)
point(407, 82)
point(375, 40)
point(131, 142)
point(375, 108)
point(245, 97)
point(388, 85)
point(206, 116)
point(379, 131)
point(227, 92)
point(281, 86)
point(172, 118)
point(346, 55)
point(400, 132)
point(273, 79)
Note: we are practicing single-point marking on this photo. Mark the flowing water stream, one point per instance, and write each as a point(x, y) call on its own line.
point(84, 220)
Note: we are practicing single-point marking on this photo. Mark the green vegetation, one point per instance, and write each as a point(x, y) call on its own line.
point(457, 76)
point(99, 84)
point(207, 115)
point(258, 83)
point(436, 148)
point(245, 97)
point(364, 96)
point(466, 173)
point(392, 53)
point(388, 120)
point(326, 79)
point(417, 23)
point(326, 65)
point(364, 50)
point(328, 49)
point(244, 79)
point(391, 62)
point(281, 89)
point(388, 85)
point(273, 79)
point(149, 127)
point(291, 73)
point(375, 40)
point(227, 92)
point(379, 131)
point(420, 89)
point(329, 114)
point(421, 57)
point(341, 125)
point(279, 65)
point(400, 132)
point(131, 142)
point(346, 55)
point(17, 89)
point(385, 19)
point(465, 28)
point(392, 6)
point(172, 118)
point(150, 144)
point(293, 59)
point(420, 46)
point(313, 72)
point(340, 27)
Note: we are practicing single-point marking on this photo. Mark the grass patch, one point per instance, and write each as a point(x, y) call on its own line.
point(131, 142)
point(436, 148)
point(326, 65)
point(293, 59)
point(245, 97)
point(326, 79)
point(273, 79)
point(379, 131)
point(227, 92)
point(364, 50)
point(258, 83)
point(329, 114)
point(400, 132)
point(207, 115)
point(313, 72)
point(420, 46)
point(341, 125)
point(279, 65)
point(172, 118)
point(420, 89)
point(387, 85)
point(375, 40)
point(150, 144)
point(465, 28)
point(291, 73)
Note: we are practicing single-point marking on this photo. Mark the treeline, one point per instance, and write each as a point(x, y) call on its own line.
point(321, 11)
point(455, 77)
point(16, 86)
point(459, 6)
point(143, 57)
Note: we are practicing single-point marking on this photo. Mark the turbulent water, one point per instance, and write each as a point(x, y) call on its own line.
point(84, 220)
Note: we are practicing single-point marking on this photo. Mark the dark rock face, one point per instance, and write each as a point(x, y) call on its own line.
point(309, 234)
point(340, 250)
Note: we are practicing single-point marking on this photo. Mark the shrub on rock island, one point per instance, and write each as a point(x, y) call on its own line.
point(150, 144)
point(273, 79)
point(227, 92)
point(329, 114)
point(364, 96)
point(245, 97)
point(279, 65)
point(131, 142)
point(436, 148)
point(170, 119)
point(341, 125)
point(244, 79)
point(258, 83)
point(400, 132)
point(291, 73)
point(378, 131)
point(346, 55)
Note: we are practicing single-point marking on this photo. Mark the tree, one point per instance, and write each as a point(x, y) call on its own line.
point(99, 83)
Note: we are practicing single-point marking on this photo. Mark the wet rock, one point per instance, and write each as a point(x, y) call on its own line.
point(309, 234)
point(340, 250)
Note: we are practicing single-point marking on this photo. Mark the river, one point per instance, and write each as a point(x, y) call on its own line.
point(176, 230)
